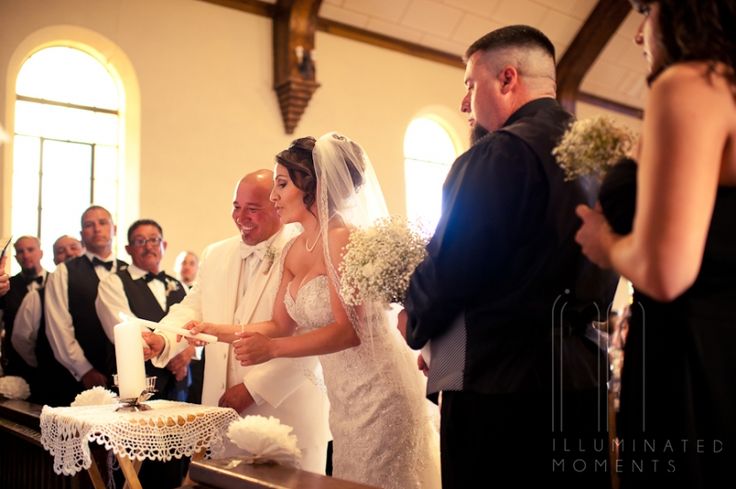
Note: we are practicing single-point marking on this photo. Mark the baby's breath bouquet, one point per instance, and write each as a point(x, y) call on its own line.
point(592, 146)
point(380, 260)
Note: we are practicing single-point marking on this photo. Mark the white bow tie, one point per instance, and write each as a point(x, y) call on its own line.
point(258, 250)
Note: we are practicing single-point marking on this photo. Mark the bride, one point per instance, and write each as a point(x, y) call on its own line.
point(380, 422)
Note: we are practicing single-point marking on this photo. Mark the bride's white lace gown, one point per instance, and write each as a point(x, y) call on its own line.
point(381, 428)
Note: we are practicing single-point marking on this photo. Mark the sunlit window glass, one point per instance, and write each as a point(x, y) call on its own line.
point(428, 154)
point(66, 143)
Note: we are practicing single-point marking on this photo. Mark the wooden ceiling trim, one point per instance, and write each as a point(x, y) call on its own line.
point(597, 30)
point(611, 105)
point(251, 6)
point(387, 42)
point(600, 26)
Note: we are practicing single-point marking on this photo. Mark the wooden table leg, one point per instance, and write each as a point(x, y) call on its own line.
point(195, 456)
point(130, 470)
point(95, 476)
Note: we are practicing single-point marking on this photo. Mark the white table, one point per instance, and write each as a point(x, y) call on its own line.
point(168, 430)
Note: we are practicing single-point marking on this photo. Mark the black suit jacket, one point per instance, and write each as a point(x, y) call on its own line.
point(504, 267)
point(12, 362)
point(144, 305)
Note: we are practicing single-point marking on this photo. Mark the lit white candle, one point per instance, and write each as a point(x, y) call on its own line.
point(129, 358)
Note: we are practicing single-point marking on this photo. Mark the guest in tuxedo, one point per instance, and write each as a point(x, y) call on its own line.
point(31, 277)
point(30, 341)
point(186, 266)
point(144, 290)
point(505, 296)
point(678, 394)
point(74, 331)
point(237, 284)
point(66, 247)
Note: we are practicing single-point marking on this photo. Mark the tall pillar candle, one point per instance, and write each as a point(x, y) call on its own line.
point(129, 358)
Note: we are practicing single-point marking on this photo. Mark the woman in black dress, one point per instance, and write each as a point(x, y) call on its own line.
point(678, 397)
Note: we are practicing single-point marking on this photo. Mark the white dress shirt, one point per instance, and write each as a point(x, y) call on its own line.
point(111, 299)
point(59, 325)
point(26, 326)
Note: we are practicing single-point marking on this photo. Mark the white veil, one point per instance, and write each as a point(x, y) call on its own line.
point(348, 193)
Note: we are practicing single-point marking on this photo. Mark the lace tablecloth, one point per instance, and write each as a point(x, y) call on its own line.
point(169, 430)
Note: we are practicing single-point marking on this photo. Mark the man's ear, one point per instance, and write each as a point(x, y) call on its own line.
point(508, 77)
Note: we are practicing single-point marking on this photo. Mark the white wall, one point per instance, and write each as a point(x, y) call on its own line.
point(209, 113)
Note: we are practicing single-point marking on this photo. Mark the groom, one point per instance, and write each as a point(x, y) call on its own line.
point(237, 284)
point(505, 294)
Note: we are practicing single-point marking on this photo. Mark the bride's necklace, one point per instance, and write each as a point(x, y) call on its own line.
point(306, 241)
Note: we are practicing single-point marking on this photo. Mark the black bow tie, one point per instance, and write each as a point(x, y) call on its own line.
point(155, 276)
point(38, 279)
point(99, 263)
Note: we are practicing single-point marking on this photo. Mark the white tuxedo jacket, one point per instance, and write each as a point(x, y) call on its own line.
point(285, 388)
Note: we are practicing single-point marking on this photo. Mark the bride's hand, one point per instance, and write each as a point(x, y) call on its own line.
point(253, 348)
point(595, 235)
point(197, 327)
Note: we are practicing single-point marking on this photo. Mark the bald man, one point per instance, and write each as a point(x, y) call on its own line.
point(29, 337)
point(32, 276)
point(237, 284)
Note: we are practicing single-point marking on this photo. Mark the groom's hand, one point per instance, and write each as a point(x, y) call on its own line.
point(252, 348)
point(155, 344)
point(236, 397)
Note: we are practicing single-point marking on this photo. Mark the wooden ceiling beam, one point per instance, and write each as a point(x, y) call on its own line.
point(575, 63)
point(602, 23)
point(294, 71)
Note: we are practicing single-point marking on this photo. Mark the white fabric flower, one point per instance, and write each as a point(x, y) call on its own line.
point(95, 396)
point(14, 387)
point(265, 440)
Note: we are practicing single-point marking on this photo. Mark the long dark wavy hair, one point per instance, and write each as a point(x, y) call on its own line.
point(696, 30)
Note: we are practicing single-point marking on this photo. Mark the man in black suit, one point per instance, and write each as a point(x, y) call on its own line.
point(144, 290)
point(505, 296)
point(30, 341)
point(32, 276)
point(74, 332)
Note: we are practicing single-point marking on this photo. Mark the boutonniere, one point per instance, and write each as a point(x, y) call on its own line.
point(171, 286)
point(268, 258)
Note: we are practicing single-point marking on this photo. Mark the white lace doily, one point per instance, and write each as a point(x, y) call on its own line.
point(169, 430)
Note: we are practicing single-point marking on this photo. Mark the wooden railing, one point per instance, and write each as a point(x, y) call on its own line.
point(213, 474)
point(24, 464)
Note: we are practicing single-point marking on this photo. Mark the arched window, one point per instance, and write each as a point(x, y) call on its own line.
point(429, 151)
point(66, 144)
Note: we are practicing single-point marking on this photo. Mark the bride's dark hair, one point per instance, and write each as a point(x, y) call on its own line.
point(696, 30)
point(299, 163)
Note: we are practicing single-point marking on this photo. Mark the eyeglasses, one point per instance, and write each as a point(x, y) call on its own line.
point(141, 242)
